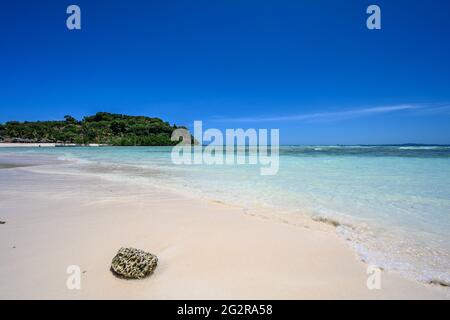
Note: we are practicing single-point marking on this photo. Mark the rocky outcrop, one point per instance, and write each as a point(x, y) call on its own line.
point(131, 263)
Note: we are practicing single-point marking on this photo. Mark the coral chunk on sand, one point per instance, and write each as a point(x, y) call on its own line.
point(133, 263)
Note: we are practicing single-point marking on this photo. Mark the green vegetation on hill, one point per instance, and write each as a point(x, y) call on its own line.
point(102, 128)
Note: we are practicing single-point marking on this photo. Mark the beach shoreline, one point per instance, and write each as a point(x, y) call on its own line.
point(206, 250)
point(26, 145)
point(46, 145)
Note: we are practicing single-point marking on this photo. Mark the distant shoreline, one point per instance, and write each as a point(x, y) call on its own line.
point(53, 144)
point(15, 144)
point(46, 145)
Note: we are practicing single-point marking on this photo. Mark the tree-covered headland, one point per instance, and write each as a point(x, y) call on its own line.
point(101, 128)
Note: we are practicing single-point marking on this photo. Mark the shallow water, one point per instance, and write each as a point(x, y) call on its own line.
point(392, 202)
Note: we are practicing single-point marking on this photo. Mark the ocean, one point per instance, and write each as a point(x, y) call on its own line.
point(390, 203)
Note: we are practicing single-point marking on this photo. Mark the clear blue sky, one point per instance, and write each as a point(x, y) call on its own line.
point(310, 68)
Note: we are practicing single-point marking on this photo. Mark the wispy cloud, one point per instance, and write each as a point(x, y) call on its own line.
point(443, 109)
point(338, 115)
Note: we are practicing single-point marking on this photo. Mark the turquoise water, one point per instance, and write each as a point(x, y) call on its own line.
point(392, 202)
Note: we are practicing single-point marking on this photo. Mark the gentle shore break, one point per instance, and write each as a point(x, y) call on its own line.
point(205, 249)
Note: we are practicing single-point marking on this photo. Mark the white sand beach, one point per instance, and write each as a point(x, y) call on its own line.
point(26, 145)
point(206, 250)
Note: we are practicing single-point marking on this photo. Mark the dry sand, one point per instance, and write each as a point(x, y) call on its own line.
point(205, 249)
point(25, 145)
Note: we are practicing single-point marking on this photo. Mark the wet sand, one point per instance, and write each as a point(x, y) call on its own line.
point(206, 250)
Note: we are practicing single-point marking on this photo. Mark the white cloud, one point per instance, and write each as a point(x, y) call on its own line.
point(330, 116)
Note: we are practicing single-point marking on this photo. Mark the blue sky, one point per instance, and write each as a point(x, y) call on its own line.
point(310, 68)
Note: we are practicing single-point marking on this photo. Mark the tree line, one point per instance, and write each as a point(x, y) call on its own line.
point(101, 128)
